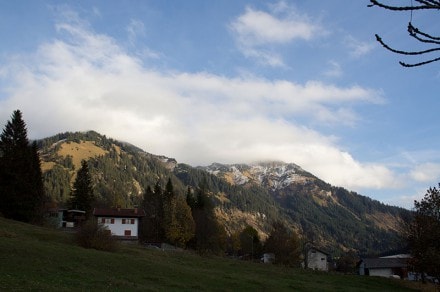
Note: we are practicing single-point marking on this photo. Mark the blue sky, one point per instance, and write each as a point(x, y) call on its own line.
point(232, 82)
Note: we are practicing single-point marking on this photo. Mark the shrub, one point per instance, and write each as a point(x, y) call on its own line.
point(93, 235)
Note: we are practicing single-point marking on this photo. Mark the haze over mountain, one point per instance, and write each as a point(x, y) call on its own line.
point(255, 194)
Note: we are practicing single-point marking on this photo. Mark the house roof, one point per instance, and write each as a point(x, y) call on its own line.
point(385, 263)
point(318, 250)
point(118, 212)
point(74, 211)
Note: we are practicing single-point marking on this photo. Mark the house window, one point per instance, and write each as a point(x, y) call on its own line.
point(127, 221)
point(127, 232)
point(108, 220)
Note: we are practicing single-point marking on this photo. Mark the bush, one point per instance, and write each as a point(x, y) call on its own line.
point(93, 235)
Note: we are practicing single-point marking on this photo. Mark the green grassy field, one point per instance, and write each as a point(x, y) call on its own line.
point(36, 258)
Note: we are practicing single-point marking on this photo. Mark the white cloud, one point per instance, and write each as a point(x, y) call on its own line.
point(255, 31)
point(334, 69)
point(135, 29)
point(86, 80)
point(358, 48)
point(426, 172)
point(259, 28)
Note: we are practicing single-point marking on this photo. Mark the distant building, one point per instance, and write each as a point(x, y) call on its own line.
point(54, 216)
point(73, 218)
point(122, 223)
point(385, 266)
point(60, 217)
point(317, 259)
point(268, 258)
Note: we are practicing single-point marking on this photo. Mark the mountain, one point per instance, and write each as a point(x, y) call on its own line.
point(257, 194)
point(330, 216)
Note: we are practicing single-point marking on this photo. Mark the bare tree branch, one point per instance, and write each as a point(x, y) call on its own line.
point(419, 64)
point(413, 31)
point(410, 53)
point(425, 5)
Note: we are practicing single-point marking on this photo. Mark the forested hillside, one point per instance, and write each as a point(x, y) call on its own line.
point(330, 217)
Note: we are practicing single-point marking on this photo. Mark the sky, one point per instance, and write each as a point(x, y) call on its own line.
point(297, 81)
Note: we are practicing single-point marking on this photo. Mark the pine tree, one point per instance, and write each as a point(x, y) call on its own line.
point(159, 198)
point(423, 234)
point(37, 195)
point(178, 222)
point(284, 244)
point(210, 236)
point(21, 188)
point(150, 224)
point(250, 242)
point(82, 197)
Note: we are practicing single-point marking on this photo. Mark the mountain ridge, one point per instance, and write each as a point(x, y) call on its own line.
point(253, 194)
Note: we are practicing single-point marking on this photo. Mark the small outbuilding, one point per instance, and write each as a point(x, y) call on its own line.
point(268, 258)
point(63, 218)
point(384, 267)
point(122, 223)
point(317, 259)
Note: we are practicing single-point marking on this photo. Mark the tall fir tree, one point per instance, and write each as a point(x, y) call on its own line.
point(210, 236)
point(285, 244)
point(423, 234)
point(82, 197)
point(178, 222)
point(159, 196)
point(150, 227)
point(21, 187)
point(250, 243)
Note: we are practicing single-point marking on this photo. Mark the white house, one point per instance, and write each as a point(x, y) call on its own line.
point(122, 223)
point(317, 259)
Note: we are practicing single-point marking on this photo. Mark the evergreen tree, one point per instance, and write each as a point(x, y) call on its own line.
point(424, 234)
point(37, 194)
point(178, 222)
point(159, 196)
point(250, 242)
point(181, 227)
point(150, 228)
point(210, 236)
point(21, 188)
point(284, 244)
point(82, 197)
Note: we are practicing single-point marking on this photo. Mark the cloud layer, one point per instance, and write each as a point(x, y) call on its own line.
point(84, 80)
point(257, 31)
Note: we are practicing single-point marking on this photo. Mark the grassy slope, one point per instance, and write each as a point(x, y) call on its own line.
point(43, 259)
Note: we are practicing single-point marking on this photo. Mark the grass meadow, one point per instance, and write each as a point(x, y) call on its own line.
point(38, 258)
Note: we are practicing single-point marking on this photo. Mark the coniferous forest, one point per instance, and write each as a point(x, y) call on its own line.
point(186, 206)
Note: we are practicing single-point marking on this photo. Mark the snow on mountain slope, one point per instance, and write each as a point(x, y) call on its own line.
point(272, 175)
